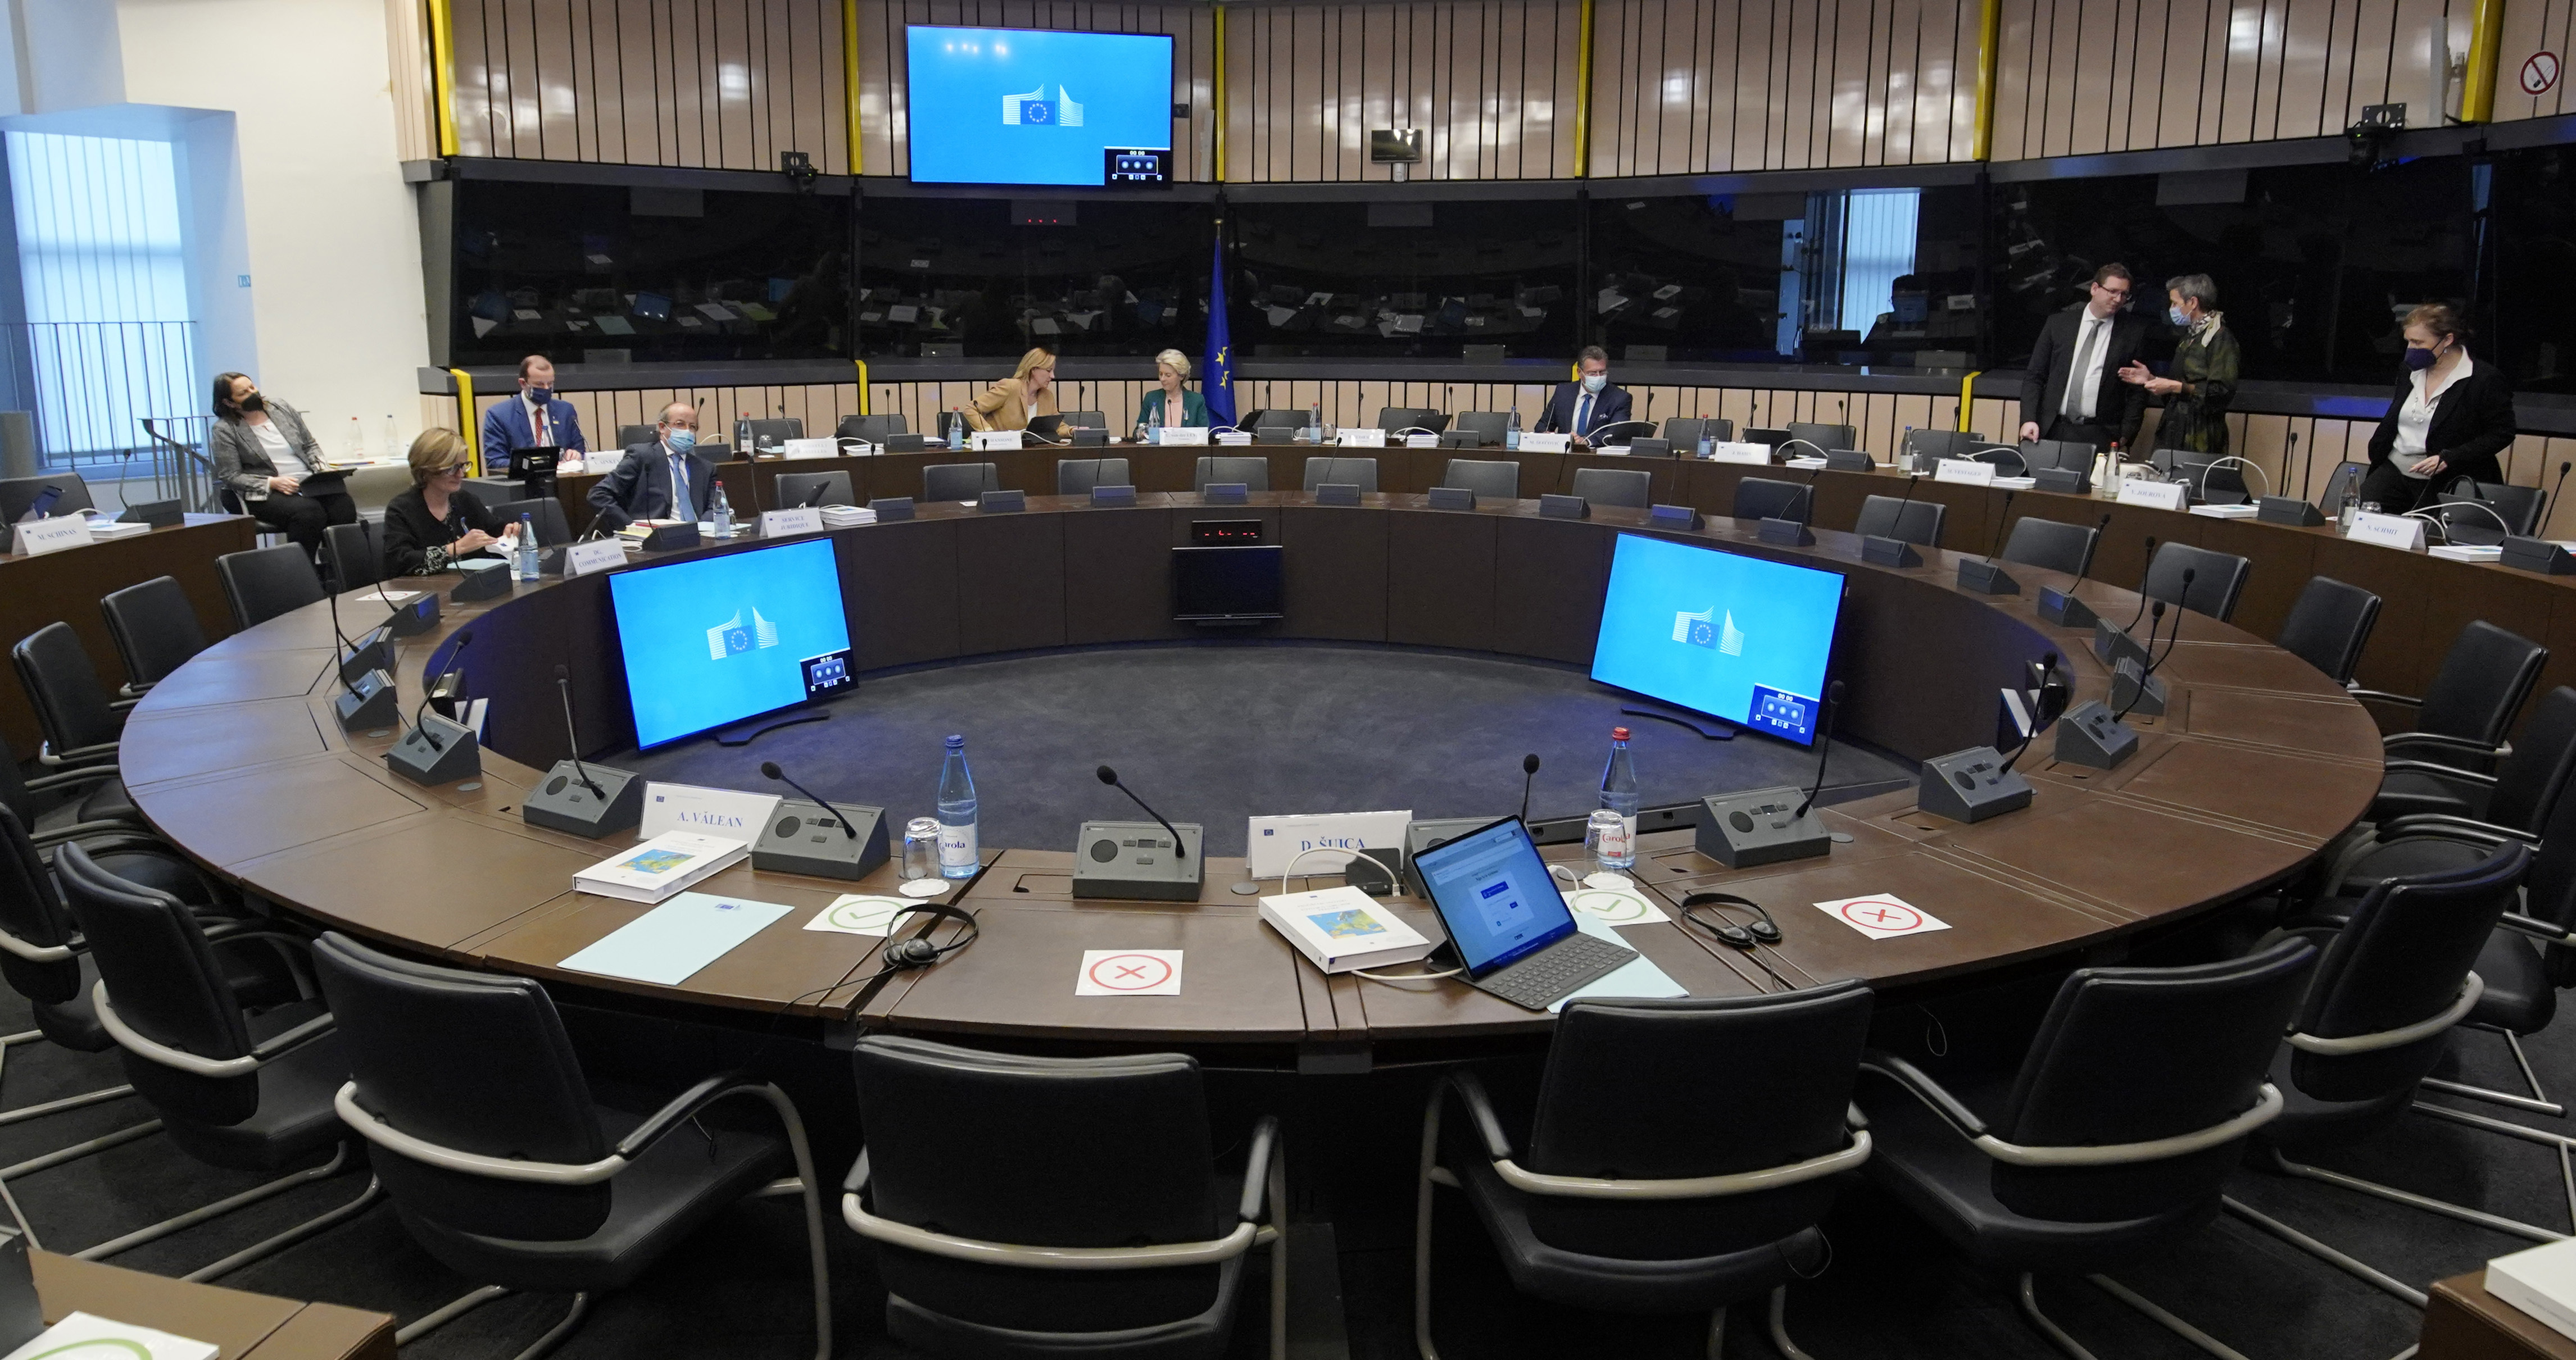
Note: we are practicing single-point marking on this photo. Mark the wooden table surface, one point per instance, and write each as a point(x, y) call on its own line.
point(247, 1326)
point(2465, 1322)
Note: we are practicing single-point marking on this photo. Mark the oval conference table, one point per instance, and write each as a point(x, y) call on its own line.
point(237, 758)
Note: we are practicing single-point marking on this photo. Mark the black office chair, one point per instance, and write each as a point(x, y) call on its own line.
point(155, 628)
point(2218, 579)
point(81, 722)
point(2431, 818)
point(2069, 455)
point(553, 530)
point(1629, 487)
point(509, 1166)
point(2328, 626)
point(628, 436)
point(1683, 432)
point(1411, 420)
point(1930, 446)
point(262, 583)
point(234, 1089)
point(1814, 438)
point(873, 429)
point(1086, 420)
point(1765, 498)
point(2048, 544)
point(2377, 1017)
point(2214, 479)
point(350, 556)
point(104, 810)
point(798, 488)
point(1490, 479)
point(959, 481)
point(18, 495)
point(1276, 422)
point(2008, 460)
point(1680, 1184)
point(1077, 476)
point(2345, 480)
point(1917, 522)
point(766, 434)
point(2115, 1137)
point(1489, 427)
point(2487, 513)
point(2465, 713)
point(1027, 1207)
point(1214, 469)
point(1359, 472)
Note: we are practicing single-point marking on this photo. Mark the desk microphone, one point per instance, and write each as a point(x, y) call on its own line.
point(2142, 583)
point(572, 734)
point(1901, 501)
point(2003, 518)
point(770, 769)
point(2150, 671)
point(2540, 522)
point(1110, 777)
point(1824, 746)
point(1529, 773)
point(429, 691)
point(2086, 566)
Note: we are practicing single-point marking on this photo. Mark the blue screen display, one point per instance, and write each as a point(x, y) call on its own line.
point(1030, 106)
point(1728, 635)
point(713, 640)
point(1494, 895)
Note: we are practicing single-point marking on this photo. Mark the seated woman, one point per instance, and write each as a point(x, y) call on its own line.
point(267, 457)
point(1011, 403)
point(1171, 405)
point(438, 522)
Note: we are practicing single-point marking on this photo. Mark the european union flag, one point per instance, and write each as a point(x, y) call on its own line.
point(1217, 381)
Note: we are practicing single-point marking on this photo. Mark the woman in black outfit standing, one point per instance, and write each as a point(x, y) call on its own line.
point(2450, 418)
point(431, 527)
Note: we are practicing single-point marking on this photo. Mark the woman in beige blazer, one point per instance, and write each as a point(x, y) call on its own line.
point(1014, 401)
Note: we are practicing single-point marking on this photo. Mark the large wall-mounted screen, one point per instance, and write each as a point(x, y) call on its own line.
point(1034, 106)
point(1732, 636)
point(714, 640)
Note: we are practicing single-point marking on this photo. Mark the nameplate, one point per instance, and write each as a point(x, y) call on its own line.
point(606, 554)
point(1113, 495)
point(987, 440)
point(804, 519)
point(1274, 843)
point(891, 508)
point(1002, 502)
point(2388, 531)
point(1564, 507)
point(2159, 495)
point(1673, 517)
point(1337, 493)
point(729, 813)
point(1545, 443)
point(602, 462)
point(1730, 451)
point(1967, 471)
point(1225, 493)
point(1453, 498)
point(39, 537)
point(1186, 436)
point(1361, 439)
point(812, 448)
point(1422, 441)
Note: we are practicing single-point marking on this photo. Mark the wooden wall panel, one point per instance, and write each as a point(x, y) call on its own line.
point(718, 84)
point(2532, 27)
point(408, 80)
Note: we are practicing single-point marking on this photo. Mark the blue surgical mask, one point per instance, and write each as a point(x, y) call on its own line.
point(2417, 360)
point(1594, 382)
point(681, 441)
point(541, 395)
point(2179, 316)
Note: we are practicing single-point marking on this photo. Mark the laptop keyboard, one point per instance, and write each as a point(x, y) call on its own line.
point(1538, 981)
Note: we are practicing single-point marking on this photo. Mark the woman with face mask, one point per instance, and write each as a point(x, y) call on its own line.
point(2449, 419)
point(269, 460)
point(2203, 372)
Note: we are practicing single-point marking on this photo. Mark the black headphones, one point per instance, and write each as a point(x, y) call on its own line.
point(919, 952)
point(1763, 931)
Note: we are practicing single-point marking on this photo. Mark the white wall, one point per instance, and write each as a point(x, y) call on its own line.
point(333, 237)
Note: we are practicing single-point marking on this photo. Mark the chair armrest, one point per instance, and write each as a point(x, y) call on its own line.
point(131, 690)
point(857, 1180)
point(685, 1107)
point(2537, 929)
point(1921, 1085)
point(64, 779)
point(2394, 740)
point(122, 705)
point(1480, 1107)
point(78, 755)
point(2446, 826)
point(2426, 767)
point(1256, 1171)
point(97, 836)
point(2383, 696)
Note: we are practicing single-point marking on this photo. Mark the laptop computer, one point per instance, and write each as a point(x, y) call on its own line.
point(1509, 924)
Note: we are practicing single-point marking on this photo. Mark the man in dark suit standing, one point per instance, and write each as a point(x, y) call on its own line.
point(1581, 408)
point(2073, 389)
point(661, 479)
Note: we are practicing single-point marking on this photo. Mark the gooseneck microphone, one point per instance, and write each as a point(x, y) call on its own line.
point(334, 597)
point(2003, 518)
point(572, 734)
point(1109, 777)
point(1529, 773)
point(1824, 746)
point(429, 690)
point(771, 770)
point(2087, 564)
point(2150, 671)
point(2540, 521)
point(2142, 583)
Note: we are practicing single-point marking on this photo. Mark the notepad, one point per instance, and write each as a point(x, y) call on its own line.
point(82, 1335)
point(670, 943)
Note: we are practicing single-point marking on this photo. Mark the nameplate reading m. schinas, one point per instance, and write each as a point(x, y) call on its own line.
point(2160, 495)
point(581, 559)
point(2402, 532)
point(708, 812)
point(803, 519)
point(39, 537)
point(1967, 471)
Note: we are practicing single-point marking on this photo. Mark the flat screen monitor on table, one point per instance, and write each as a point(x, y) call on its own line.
point(1719, 633)
point(713, 640)
point(1031, 106)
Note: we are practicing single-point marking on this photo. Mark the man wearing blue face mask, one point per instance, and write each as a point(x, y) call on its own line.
point(1585, 408)
point(662, 478)
point(534, 419)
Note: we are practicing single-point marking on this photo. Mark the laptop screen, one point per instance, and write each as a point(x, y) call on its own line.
point(1494, 895)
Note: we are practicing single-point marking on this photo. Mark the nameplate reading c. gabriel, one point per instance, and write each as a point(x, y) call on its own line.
point(729, 813)
point(581, 559)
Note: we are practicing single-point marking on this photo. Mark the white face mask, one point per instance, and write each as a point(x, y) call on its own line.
point(1594, 382)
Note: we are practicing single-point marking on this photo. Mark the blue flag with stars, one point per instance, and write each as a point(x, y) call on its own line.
point(1217, 380)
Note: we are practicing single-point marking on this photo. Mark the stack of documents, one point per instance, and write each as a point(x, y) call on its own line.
point(844, 516)
point(2467, 552)
point(2541, 1282)
point(655, 869)
point(2227, 511)
point(103, 527)
point(1342, 929)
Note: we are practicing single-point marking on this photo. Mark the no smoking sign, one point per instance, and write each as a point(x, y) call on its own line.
point(2539, 73)
point(1881, 915)
point(1129, 972)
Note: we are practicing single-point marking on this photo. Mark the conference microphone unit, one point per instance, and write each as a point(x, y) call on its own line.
point(2112, 641)
point(1767, 826)
point(590, 801)
point(1529, 775)
point(437, 749)
point(2531, 552)
point(1793, 533)
point(367, 700)
point(2291, 510)
point(2093, 735)
point(412, 617)
point(1889, 551)
point(814, 836)
point(2135, 688)
point(2060, 607)
point(1130, 861)
point(1988, 576)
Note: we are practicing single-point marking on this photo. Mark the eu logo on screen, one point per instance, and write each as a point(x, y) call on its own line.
point(1783, 714)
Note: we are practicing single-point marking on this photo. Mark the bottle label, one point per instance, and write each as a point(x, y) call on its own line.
point(957, 845)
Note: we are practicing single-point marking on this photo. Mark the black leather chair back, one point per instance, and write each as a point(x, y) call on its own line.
point(2036, 542)
point(766, 433)
point(163, 979)
point(1896, 517)
point(628, 436)
point(2343, 481)
point(1410, 419)
point(31, 908)
point(2217, 580)
point(1629, 487)
point(1769, 498)
point(1490, 479)
point(2549, 888)
point(2399, 961)
point(476, 1062)
point(2493, 510)
point(1684, 431)
point(553, 530)
point(2484, 678)
point(1253, 471)
point(155, 628)
point(794, 487)
point(2530, 782)
point(1359, 472)
point(2127, 1055)
point(1822, 437)
point(1929, 445)
point(18, 495)
point(1063, 1152)
point(1086, 420)
point(2328, 625)
point(873, 429)
point(350, 555)
point(1279, 419)
point(1489, 427)
point(959, 481)
point(2072, 455)
point(262, 583)
point(1077, 476)
point(72, 704)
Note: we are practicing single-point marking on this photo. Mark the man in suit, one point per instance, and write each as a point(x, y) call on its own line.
point(534, 419)
point(2073, 389)
point(660, 479)
point(1580, 408)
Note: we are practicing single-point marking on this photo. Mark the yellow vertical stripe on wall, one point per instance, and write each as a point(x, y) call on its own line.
point(442, 74)
point(1224, 111)
point(1583, 97)
point(469, 421)
point(1989, 38)
point(2486, 29)
point(850, 101)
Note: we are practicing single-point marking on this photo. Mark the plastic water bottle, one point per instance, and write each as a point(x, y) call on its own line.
point(958, 857)
point(742, 434)
point(527, 553)
point(393, 441)
point(956, 429)
point(1905, 459)
point(1707, 441)
point(1619, 795)
point(357, 443)
point(720, 510)
point(1314, 431)
point(1512, 431)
